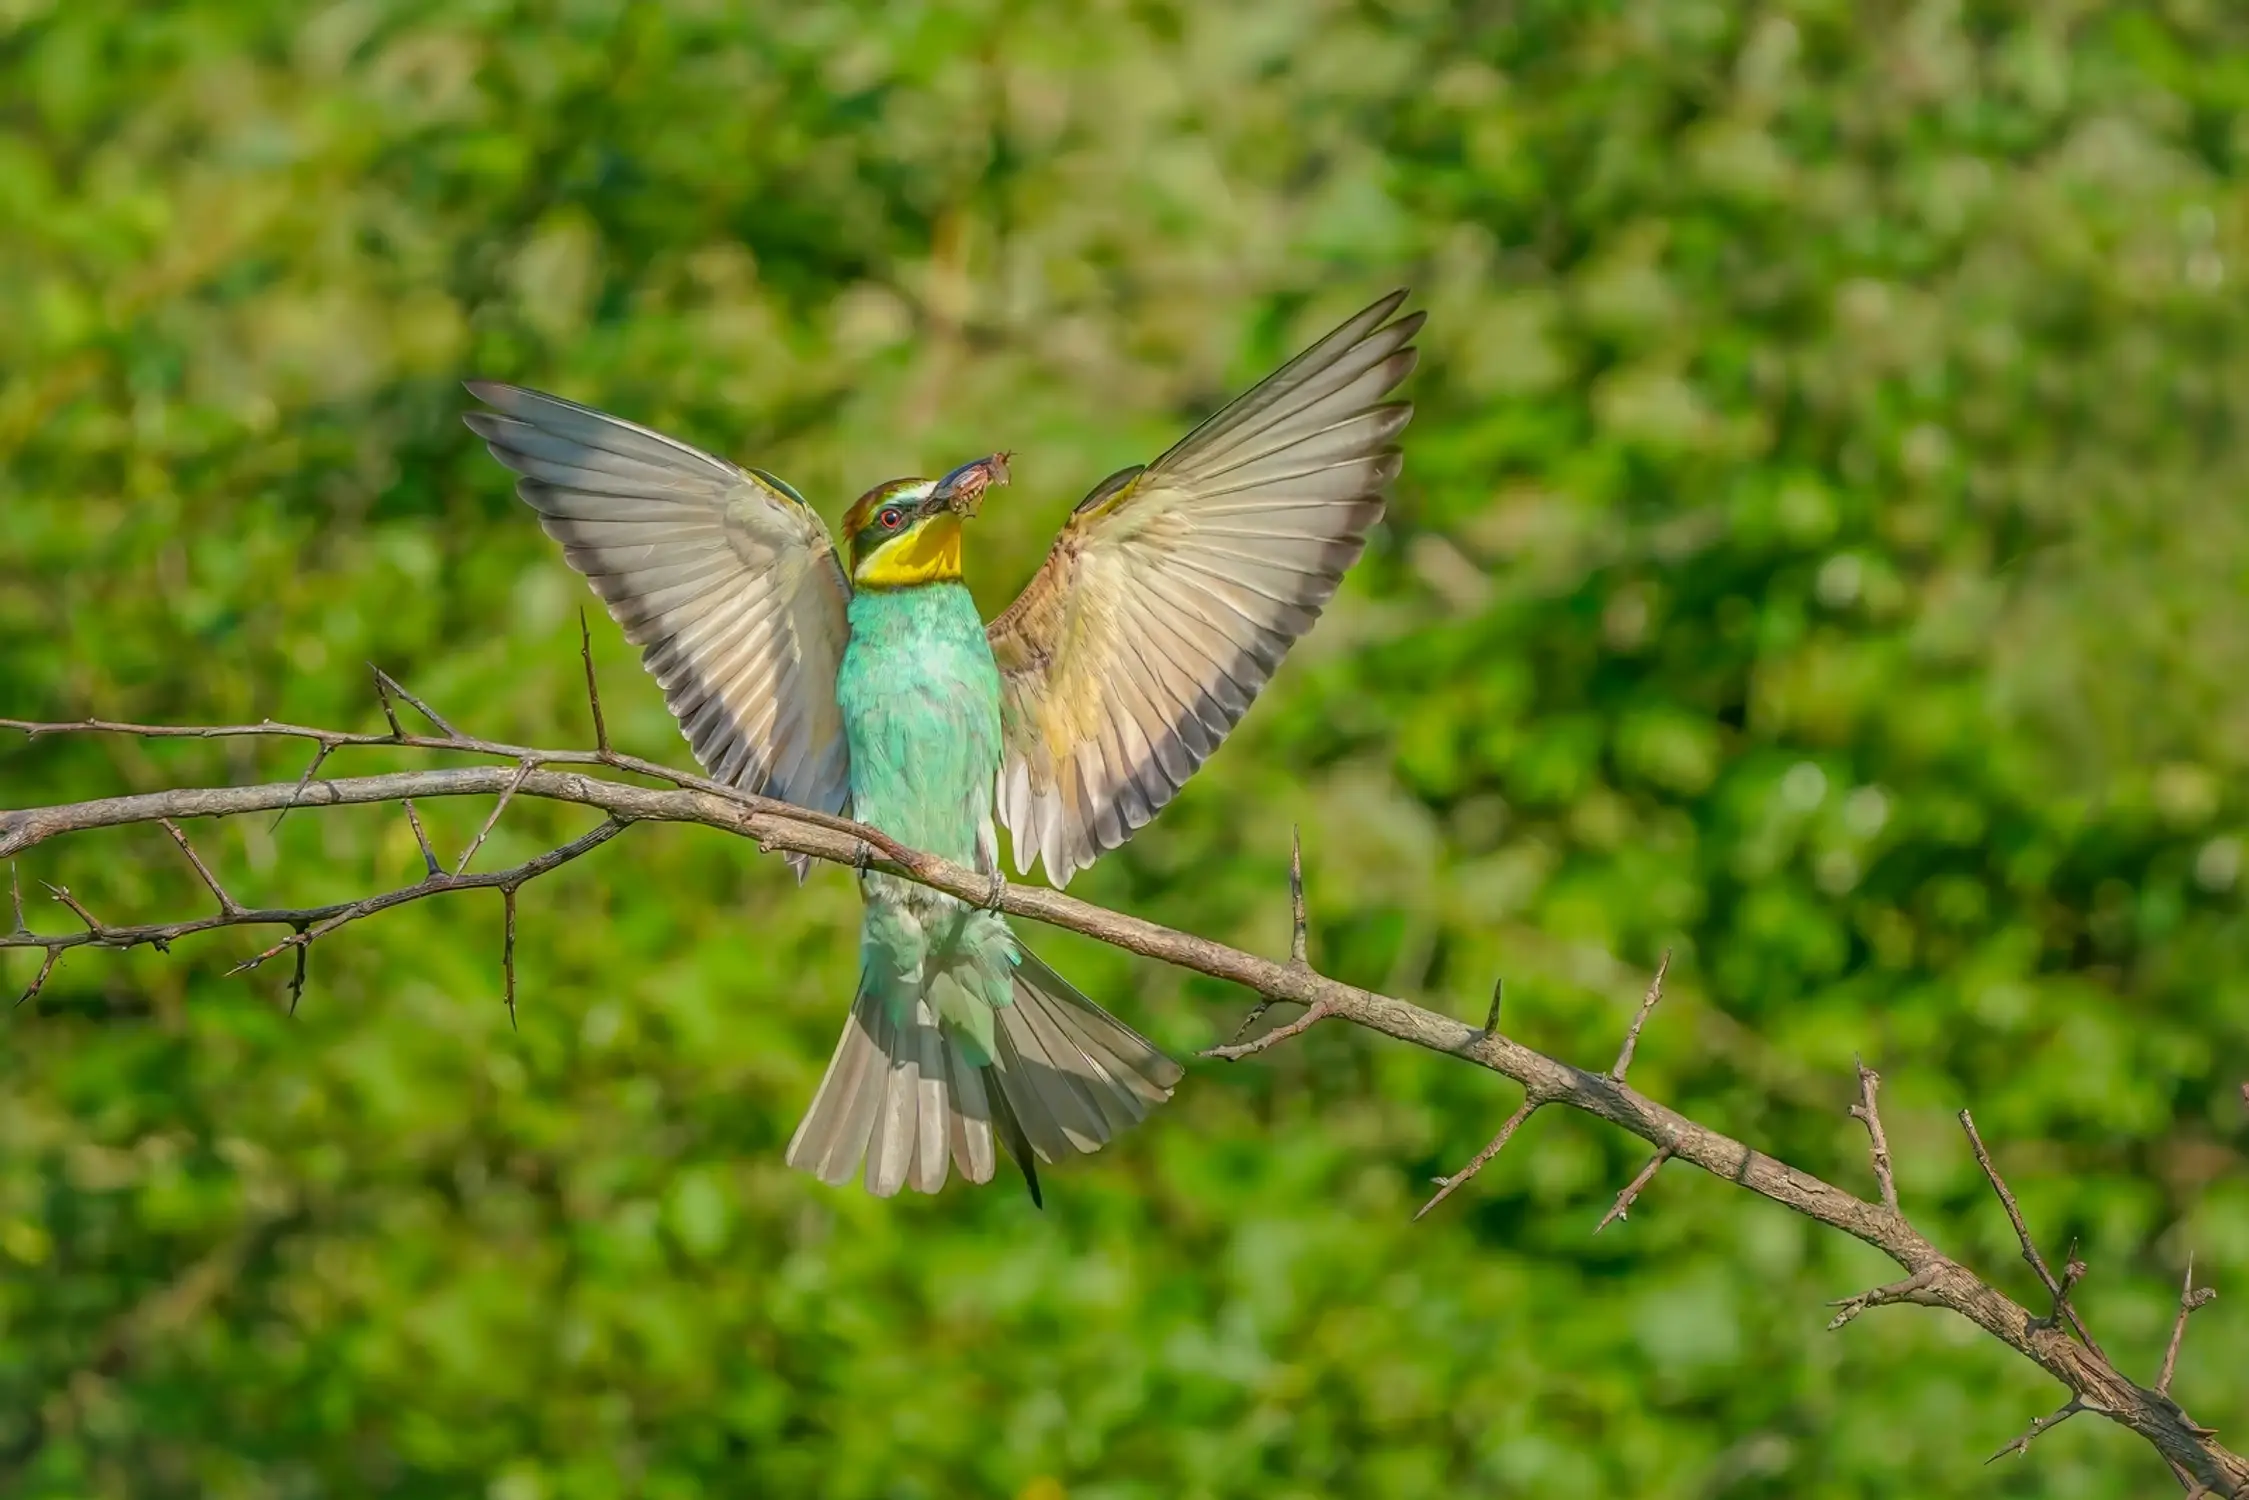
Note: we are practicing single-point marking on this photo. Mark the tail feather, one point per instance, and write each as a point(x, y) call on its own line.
point(1075, 1074)
point(904, 1096)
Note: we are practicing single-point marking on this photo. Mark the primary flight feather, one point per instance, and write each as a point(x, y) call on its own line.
point(1169, 599)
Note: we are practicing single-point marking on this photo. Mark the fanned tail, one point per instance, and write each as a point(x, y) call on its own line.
point(910, 1098)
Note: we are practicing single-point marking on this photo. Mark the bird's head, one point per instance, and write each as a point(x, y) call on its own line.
point(908, 531)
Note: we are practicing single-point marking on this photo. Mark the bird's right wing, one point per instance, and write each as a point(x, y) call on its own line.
point(722, 575)
point(1175, 590)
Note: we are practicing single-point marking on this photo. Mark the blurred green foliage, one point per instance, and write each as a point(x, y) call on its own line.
point(1820, 552)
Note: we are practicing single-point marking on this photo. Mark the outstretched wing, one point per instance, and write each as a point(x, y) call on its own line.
point(1175, 590)
point(722, 575)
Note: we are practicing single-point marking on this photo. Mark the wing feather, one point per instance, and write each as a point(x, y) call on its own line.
point(722, 575)
point(1175, 591)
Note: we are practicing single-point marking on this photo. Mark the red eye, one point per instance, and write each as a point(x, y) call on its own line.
point(890, 518)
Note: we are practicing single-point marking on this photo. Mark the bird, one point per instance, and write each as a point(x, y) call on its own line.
point(864, 682)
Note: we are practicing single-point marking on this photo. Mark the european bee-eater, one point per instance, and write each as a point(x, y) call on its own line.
point(1171, 596)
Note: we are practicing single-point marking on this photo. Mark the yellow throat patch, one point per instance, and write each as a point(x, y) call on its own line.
point(930, 553)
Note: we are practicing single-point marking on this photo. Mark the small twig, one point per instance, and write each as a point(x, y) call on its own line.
point(1868, 1114)
point(2043, 1425)
point(593, 687)
point(1446, 1186)
point(1491, 1017)
point(1622, 1208)
point(1632, 1036)
point(2046, 1277)
point(78, 908)
point(507, 951)
point(326, 748)
point(316, 923)
point(383, 679)
point(507, 794)
point(429, 856)
point(227, 903)
point(15, 899)
point(1914, 1288)
point(46, 967)
point(2191, 1300)
point(297, 979)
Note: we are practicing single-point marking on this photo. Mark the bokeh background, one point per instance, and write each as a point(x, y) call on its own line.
point(1820, 551)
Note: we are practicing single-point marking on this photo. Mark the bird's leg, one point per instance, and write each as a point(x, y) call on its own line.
point(998, 893)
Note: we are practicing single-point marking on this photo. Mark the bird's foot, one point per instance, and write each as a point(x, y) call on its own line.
point(862, 855)
point(997, 894)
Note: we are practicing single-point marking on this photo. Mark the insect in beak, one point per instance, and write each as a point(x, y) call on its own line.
point(962, 491)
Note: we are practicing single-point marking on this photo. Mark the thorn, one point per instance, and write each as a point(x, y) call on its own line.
point(1491, 1017)
point(227, 906)
point(2043, 1425)
point(1446, 1186)
point(15, 898)
point(507, 952)
point(432, 870)
point(1297, 946)
point(593, 686)
point(303, 781)
point(1622, 1208)
point(507, 794)
point(297, 979)
point(46, 967)
point(382, 696)
point(1632, 1036)
point(2191, 1300)
point(384, 679)
point(1912, 1289)
point(1256, 1014)
point(62, 893)
point(1235, 1052)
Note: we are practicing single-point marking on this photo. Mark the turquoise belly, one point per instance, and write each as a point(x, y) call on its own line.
point(920, 697)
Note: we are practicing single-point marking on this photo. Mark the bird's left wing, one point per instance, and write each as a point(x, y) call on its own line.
point(723, 576)
point(1175, 590)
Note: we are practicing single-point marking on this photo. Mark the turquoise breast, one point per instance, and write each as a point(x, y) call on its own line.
point(920, 696)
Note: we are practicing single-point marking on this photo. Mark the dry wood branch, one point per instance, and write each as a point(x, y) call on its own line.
point(1932, 1278)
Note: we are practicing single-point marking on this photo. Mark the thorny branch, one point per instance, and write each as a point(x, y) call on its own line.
point(2058, 1342)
